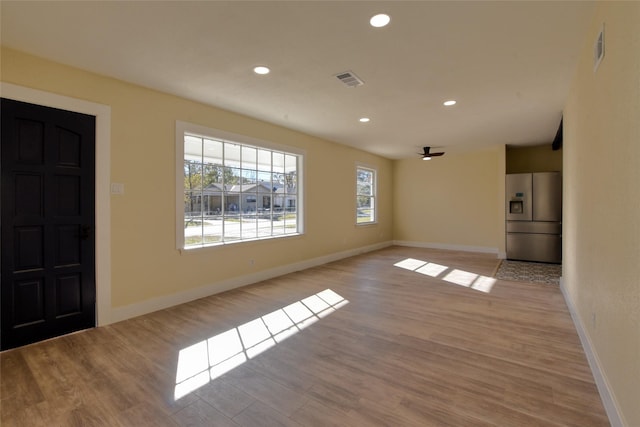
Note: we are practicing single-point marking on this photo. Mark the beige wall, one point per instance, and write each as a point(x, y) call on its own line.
point(145, 262)
point(452, 201)
point(536, 158)
point(602, 201)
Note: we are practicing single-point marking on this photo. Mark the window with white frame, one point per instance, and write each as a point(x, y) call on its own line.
point(365, 195)
point(232, 188)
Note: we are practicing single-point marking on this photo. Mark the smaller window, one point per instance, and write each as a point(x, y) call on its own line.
point(365, 195)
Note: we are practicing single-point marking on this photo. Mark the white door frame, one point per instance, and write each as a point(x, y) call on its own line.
point(103, 176)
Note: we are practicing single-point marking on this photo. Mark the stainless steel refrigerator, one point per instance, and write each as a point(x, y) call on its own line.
point(534, 216)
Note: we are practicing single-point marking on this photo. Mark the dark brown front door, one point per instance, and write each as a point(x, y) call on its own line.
point(48, 221)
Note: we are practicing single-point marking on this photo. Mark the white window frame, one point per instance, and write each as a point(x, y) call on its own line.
point(183, 128)
point(368, 168)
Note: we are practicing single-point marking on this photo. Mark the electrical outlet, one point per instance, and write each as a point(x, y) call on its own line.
point(593, 320)
point(251, 262)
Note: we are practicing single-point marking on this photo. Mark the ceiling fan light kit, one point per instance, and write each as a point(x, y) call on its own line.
point(427, 154)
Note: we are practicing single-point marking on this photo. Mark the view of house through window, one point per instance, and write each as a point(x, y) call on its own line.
point(365, 195)
point(234, 192)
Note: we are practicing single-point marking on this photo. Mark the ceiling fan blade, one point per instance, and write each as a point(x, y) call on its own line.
point(427, 154)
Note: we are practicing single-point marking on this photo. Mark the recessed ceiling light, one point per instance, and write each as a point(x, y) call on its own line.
point(261, 70)
point(364, 119)
point(449, 103)
point(379, 20)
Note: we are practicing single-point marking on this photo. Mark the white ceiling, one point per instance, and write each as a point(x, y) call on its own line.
point(508, 64)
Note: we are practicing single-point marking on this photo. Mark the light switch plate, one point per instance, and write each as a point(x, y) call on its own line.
point(117, 188)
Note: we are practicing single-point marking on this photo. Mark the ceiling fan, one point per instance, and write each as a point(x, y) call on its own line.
point(427, 155)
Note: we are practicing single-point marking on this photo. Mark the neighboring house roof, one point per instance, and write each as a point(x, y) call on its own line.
point(213, 187)
point(261, 187)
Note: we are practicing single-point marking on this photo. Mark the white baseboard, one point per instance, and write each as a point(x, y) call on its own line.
point(463, 248)
point(606, 394)
point(159, 303)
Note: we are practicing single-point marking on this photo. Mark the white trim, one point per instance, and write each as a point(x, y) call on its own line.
point(159, 303)
point(181, 127)
point(609, 401)
point(448, 247)
point(103, 174)
point(232, 137)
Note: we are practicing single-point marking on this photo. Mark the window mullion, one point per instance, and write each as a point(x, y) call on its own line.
point(241, 192)
point(202, 191)
point(224, 195)
point(271, 194)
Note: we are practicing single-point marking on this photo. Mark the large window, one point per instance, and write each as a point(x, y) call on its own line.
point(231, 190)
point(365, 195)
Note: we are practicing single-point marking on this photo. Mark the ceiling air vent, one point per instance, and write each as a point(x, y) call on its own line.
point(349, 79)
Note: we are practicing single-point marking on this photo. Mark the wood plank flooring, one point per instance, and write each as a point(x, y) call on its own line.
point(408, 349)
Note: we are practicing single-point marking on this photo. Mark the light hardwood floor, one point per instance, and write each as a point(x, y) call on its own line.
point(408, 349)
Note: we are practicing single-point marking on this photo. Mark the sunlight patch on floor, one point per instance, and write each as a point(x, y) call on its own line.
point(205, 361)
point(455, 276)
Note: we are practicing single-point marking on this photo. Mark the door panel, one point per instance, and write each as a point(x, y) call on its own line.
point(69, 295)
point(28, 195)
point(68, 245)
point(519, 198)
point(534, 247)
point(536, 227)
point(68, 148)
point(48, 218)
point(30, 141)
point(29, 251)
point(547, 196)
point(29, 302)
point(67, 195)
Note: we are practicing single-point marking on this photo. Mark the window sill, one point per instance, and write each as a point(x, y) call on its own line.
point(366, 224)
point(218, 246)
